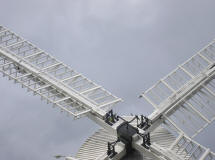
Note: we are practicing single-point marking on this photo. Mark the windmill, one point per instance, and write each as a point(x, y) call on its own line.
point(183, 102)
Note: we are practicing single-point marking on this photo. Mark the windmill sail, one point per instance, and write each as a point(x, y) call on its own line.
point(184, 103)
point(189, 149)
point(53, 80)
point(186, 97)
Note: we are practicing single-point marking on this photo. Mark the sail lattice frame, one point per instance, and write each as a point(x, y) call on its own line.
point(186, 97)
point(48, 77)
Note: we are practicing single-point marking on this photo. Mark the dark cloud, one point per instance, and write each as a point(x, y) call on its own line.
point(124, 45)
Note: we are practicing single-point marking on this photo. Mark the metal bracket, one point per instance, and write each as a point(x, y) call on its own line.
point(145, 123)
point(111, 149)
point(111, 118)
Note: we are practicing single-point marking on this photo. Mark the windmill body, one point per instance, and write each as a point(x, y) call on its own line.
point(183, 102)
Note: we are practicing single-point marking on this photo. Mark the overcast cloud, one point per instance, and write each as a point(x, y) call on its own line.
point(124, 45)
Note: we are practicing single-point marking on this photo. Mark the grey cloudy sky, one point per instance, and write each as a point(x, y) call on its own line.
point(124, 45)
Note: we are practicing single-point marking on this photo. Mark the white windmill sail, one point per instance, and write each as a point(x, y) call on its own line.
point(183, 146)
point(189, 149)
point(53, 80)
point(184, 106)
point(185, 98)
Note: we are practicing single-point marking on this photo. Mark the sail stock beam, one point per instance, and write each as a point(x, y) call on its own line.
point(185, 97)
point(40, 72)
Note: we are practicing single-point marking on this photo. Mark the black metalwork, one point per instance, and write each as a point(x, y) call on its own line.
point(111, 118)
point(145, 123)
point(111, 149)
point(125, 132)
point(146, 141)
